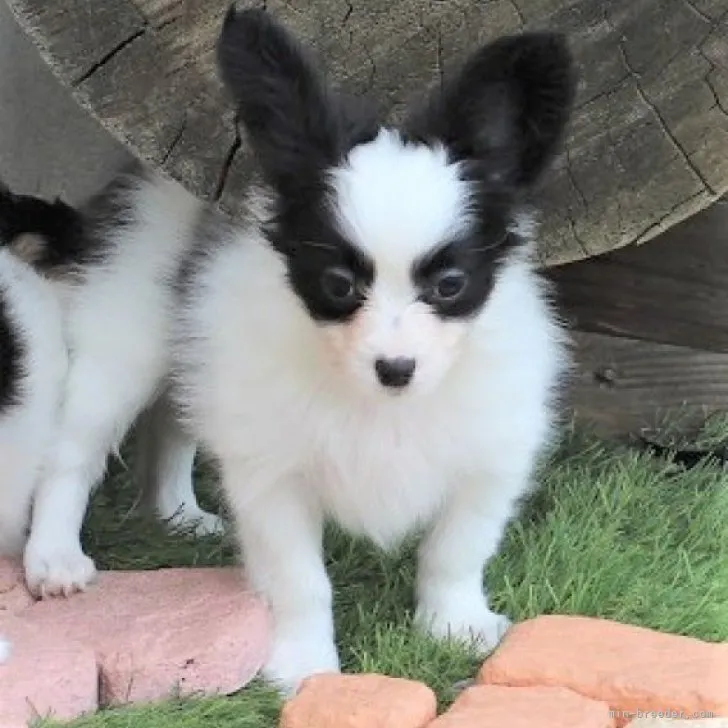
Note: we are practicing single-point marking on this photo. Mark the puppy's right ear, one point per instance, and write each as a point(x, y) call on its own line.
point(292, 118)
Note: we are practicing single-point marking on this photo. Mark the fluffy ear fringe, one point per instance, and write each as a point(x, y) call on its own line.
point(296, 123)
point(508, 106)
point(282, 100)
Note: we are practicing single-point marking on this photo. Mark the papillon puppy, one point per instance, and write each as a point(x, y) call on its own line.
point(108, 280)
point(371, 343)
point(33, 365)
point(33, 361)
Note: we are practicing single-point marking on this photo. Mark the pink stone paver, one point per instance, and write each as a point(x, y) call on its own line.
point(165, 631)
point(14, 597)
point(147, 635)
point(46, 674)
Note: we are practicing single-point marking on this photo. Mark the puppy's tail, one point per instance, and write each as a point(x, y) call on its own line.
point(36, 230)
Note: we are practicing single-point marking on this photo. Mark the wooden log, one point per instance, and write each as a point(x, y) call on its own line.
point(652, 328)
point(648, 146)
point(673, 290)
point(626, 386)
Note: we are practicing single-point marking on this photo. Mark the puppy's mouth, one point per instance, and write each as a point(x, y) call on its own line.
point(395, 393)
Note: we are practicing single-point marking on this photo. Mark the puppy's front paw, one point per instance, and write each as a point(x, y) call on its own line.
point(199, 522)
point(293, 659)
point(472, 623)
point(55, 570)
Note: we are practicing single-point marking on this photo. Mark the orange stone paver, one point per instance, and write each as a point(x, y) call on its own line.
point(538, 707)
point(630, 668)
point(359, 701)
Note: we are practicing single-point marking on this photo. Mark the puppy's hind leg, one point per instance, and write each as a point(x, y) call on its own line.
point(165, 457)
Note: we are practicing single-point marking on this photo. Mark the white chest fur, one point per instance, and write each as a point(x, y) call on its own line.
point(378, 475)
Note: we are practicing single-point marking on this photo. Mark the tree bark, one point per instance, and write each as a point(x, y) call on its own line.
point(648, 145)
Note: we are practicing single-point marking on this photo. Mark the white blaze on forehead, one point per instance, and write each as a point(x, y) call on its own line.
point(397, 201)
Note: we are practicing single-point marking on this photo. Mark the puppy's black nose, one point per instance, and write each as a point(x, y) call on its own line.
point(395, 372)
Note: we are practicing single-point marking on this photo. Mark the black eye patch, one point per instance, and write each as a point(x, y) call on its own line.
point(456, 279)
point(329, 275)
point(331, 281)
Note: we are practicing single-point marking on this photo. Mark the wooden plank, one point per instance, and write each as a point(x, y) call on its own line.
point(625, 386)
point(648, 147)
point(672, 290)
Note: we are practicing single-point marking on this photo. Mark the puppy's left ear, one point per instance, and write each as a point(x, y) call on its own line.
point(507, 107)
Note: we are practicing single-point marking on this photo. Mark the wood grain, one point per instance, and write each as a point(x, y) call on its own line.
point(648, 147)
point(672, 290)
point(626, 386)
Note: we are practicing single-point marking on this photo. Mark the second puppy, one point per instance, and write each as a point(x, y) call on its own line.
point(109, 268)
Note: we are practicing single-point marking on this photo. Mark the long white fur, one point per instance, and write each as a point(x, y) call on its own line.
point(116, 318)
point(302, 430)
point(27, 429)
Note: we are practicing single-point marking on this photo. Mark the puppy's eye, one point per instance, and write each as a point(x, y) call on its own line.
point(339, 285)
point(449, 284)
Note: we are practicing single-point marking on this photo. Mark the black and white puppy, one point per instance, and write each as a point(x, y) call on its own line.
point(372, 344)
point(33, 365)
point(110, 267)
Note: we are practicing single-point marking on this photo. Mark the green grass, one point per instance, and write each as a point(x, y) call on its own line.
point(612, 532)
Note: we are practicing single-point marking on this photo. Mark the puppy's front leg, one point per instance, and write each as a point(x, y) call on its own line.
point(280, 532)
point(451, 600)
